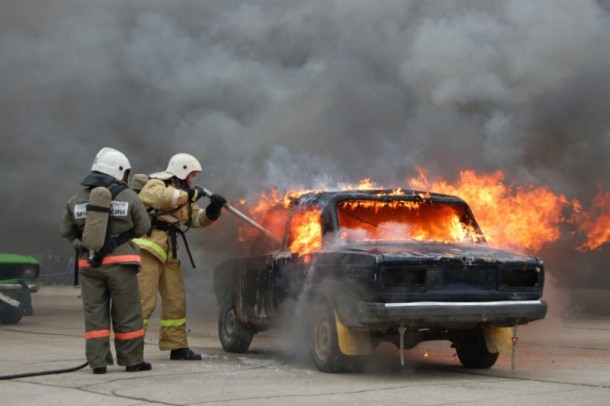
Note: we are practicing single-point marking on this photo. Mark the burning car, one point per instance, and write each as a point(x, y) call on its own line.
point(18, 279)
point(354, 268)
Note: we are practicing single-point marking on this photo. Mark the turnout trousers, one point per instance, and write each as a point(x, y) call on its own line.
point(111, 297)
point(164, 279)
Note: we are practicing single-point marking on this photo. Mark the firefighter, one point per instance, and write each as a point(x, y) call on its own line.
point(171, 198)
point(100, 228)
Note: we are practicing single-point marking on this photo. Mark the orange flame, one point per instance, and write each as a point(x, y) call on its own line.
point(595, 223)
point(509, 216)
point(307, 232)
point(396, 221)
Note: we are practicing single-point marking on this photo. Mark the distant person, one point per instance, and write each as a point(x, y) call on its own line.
point(171, 197)
point(108, 275)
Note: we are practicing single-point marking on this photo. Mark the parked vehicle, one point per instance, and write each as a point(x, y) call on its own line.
point(18, 280)
point(355, 268)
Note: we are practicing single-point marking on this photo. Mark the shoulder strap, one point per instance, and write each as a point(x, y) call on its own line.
point(116, 189)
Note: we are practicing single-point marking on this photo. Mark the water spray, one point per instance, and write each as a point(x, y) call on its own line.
point(247, 219)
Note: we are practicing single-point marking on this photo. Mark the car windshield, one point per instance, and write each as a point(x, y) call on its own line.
point(402, 220)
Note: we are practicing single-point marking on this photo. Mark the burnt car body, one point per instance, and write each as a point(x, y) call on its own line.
point(377, 274)
point(18, 280)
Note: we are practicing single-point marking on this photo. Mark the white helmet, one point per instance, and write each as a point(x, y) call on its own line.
point(180, 166)
point(111, 162)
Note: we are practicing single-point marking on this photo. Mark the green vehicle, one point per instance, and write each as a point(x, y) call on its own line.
point(18, 280)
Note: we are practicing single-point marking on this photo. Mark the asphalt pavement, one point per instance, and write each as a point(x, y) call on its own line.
point(557, 361)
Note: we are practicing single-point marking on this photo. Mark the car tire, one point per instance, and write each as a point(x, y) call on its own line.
point(25, 298)
point(234, 335)
point(472, 350)
point(10, 314)
point(325, 350)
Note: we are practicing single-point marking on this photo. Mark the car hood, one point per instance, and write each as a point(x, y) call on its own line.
point(469, 253)
point(10, 258)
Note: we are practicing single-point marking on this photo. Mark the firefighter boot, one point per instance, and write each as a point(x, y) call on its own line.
point(184, 354)
point(142, 366)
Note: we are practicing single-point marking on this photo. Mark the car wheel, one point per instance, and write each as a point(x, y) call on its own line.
point(234, 335)
point(25, 298)
point(472, 350)
point(325, 350)
point(10, 314)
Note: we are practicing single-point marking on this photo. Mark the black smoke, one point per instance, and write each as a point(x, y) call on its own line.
point(278, 93)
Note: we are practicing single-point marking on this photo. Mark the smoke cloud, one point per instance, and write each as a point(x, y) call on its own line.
point(302, 94)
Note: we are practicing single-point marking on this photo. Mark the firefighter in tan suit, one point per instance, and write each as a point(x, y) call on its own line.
point(108, 272)
point(171, 198)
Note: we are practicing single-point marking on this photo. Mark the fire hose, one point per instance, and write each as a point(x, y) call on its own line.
point(247, 219)
point(55, 371)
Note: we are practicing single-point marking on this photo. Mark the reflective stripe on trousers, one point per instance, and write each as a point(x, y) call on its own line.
point(167, 323)
point(89, 335)
point(173, 323)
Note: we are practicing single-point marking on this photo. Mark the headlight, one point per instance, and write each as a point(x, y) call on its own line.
point(30, 272)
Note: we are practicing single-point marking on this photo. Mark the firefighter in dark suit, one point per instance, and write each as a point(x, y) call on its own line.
point(100, 221)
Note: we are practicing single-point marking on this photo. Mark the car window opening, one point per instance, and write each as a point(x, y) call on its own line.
point(373, 220)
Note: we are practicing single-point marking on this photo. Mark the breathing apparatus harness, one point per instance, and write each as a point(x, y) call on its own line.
point(173, 230)
point(111, 241)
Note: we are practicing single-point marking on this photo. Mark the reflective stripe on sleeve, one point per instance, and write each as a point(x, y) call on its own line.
point(97, 334)
point(175, 197)
point(143, 243)
point(129, 336)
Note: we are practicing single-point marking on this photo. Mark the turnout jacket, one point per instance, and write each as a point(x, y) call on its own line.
point(170, 208)
point(127, 215)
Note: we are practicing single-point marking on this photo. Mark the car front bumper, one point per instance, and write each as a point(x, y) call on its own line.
point(448, 314)
point(14, 287)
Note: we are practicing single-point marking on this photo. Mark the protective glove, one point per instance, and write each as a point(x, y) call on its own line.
point(196, 193)
point(214, 208)
point(77, 243)
point(218, 199)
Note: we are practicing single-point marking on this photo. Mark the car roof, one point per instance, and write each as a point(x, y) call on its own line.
point(325, 197)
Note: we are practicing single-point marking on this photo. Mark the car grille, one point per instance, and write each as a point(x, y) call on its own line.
point(401, 277)
point(453, 278)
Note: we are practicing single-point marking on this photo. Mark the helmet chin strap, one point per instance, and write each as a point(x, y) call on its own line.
point(182, 184)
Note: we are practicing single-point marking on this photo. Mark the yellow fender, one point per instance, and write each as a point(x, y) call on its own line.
point(352, 342)
point(498, 339)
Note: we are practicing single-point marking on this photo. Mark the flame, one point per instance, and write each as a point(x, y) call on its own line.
point(396, 221)
point(307, 232)
point(595, 223)
point(509, 216)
